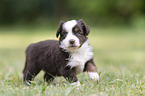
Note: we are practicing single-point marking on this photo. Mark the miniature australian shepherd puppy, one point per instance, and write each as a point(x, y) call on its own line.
point(67, 57)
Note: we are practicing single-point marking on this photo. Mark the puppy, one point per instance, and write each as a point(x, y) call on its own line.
point(67, 57)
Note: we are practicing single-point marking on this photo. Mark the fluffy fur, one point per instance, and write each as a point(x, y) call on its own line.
point(67, 57)
point(80, 56)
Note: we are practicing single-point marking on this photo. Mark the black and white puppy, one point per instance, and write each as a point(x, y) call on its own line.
point(67, 57)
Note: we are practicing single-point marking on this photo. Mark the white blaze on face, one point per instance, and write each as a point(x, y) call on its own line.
point(68, 27)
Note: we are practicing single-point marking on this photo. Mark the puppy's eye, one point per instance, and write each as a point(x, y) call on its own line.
point(79, 32)
point(76, 30)
point(64, 33)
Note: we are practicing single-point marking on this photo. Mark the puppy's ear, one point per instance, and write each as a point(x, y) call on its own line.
point(59, 28)
point(86, 29)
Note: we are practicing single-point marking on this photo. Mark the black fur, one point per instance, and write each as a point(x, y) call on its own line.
point(47, 56)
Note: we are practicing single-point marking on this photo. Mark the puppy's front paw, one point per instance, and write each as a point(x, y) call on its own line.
point(94, 76)
point(76, 83)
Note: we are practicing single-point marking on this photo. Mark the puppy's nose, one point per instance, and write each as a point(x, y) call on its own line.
point(71, 41)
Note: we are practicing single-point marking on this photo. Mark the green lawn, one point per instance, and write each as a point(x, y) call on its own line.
point(119, 54)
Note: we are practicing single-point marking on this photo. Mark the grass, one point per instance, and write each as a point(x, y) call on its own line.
point(119, 56)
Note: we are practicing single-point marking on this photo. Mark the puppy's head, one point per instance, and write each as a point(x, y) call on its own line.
point(72, 34)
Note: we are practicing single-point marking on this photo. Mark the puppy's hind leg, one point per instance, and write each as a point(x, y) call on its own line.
point(49, 78)
point(29, 73)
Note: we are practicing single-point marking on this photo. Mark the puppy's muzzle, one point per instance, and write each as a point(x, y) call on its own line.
point(72, 43)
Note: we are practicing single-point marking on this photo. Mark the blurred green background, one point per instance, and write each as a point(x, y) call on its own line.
point(117, 37)
point(95, 12)
point(116, 25)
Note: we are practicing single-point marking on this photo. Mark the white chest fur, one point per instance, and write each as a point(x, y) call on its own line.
point(79, 57)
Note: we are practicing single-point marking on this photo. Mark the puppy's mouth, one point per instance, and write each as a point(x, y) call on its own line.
point(72, 47)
